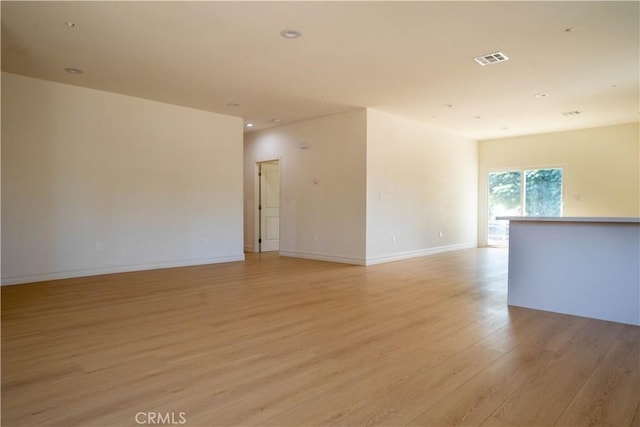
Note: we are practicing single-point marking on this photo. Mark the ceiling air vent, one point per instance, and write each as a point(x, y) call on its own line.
point(492, 58)
point(571, 113)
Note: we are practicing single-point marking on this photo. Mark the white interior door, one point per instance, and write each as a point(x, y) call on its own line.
point(269, 206)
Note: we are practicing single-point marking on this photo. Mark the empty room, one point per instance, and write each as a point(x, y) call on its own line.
point(364, 213)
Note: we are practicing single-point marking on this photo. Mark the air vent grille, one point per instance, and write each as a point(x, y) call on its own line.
point(492, 58)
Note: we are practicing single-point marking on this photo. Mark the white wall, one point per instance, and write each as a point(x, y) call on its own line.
point(601, 168)
point(420, 181)
point(96, 182)
point(321, 221)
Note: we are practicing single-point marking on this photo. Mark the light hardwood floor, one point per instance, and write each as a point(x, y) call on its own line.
point(288, 342)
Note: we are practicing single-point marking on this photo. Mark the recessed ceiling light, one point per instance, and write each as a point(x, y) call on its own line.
point(249, 125)
point(232, 104)
point(72, 70)
point(290, 34)
point(540, 95)
point(447, 105)
point(69, 24)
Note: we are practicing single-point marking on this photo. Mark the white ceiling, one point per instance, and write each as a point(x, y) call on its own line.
point(406, 58)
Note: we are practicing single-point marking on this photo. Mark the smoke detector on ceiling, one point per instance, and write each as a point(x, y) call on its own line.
point(491, 58)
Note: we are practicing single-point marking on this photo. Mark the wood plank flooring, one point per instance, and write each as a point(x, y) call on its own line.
point(288, 342)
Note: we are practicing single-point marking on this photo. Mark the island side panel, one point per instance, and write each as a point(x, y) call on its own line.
point(584, 269)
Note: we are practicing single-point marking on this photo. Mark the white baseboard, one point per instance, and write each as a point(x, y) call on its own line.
point(418, 253)
point(380, 259)
point(30, 278)
point(324, 257)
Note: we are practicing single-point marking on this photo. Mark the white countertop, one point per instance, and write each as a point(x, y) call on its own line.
point(628, 220)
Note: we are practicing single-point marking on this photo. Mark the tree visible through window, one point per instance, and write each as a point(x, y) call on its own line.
point(534, 192)
point(543, 192)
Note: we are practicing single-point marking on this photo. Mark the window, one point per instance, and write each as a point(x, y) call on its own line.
point(527, 192)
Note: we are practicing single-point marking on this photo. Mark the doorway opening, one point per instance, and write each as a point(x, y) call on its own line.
point(521, 192)
point(268, 212)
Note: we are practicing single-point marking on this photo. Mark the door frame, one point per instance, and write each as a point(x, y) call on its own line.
point(256, 201)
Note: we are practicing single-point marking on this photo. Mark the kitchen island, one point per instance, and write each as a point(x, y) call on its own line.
point(576, 265)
